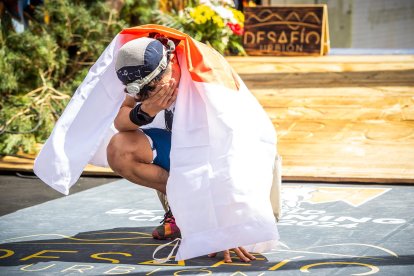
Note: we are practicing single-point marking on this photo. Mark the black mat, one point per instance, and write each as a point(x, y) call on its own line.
point(106, 230)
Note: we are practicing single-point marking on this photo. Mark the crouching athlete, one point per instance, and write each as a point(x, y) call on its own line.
point(149, 69)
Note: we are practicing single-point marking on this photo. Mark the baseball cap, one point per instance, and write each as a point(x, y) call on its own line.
point(140, 60)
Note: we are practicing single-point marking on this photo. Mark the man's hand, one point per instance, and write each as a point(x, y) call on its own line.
point(161, 98)
point(241, 253)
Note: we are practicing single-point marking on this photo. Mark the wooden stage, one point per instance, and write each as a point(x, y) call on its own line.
point(338, 118)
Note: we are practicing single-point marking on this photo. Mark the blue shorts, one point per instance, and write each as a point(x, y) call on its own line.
point(161, 143)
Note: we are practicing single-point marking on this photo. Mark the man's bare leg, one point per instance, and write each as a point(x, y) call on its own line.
point(130, 155)
point(164, 201)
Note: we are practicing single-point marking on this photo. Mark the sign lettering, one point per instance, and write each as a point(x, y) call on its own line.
point(286, 30)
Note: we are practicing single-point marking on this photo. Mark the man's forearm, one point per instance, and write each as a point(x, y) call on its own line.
point(122, 121)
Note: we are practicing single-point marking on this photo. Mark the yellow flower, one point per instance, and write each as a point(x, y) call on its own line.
point(200, 20)
point(201, 14)
point(218, 21)
point(239, 16)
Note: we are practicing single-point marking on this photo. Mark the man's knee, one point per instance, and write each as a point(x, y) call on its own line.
point(128, 149)
point(114, 152)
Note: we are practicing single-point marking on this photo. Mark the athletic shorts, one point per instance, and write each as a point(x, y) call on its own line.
point(160, 140)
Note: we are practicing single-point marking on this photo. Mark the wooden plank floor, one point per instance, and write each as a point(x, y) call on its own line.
point(24, 163)
point(338, 118)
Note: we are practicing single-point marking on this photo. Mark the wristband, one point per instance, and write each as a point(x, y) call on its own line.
point(139, 117)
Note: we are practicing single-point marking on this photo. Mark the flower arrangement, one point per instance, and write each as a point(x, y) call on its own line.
point(215, 23)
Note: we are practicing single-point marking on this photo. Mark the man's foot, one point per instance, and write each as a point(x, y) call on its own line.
point(168, 229)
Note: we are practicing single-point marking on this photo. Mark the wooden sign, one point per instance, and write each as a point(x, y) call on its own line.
point(286, 30)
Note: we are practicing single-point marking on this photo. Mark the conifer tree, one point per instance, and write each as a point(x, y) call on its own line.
point(42, 66)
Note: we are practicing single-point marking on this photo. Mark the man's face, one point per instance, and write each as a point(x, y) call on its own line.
point(172, 72)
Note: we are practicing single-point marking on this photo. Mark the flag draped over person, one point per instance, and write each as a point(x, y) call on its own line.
point(222, 153)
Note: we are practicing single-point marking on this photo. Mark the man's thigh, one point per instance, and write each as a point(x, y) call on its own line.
point(129, 146)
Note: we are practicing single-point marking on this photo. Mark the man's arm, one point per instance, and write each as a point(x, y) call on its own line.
point(164, 95)
point(122, 121)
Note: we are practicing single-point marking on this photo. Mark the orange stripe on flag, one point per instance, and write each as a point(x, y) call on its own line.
point(204, 63)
